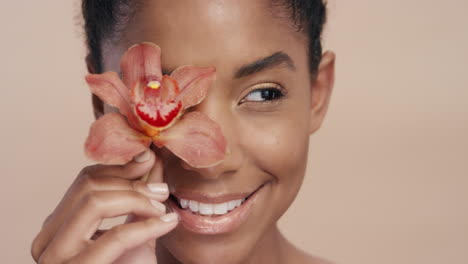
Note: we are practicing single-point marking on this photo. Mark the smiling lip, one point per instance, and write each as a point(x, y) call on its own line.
point(211, 225)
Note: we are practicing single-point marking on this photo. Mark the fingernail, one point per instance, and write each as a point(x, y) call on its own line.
point(142, 157)
point(160, 188)
point(170, 217)
point(161, 207)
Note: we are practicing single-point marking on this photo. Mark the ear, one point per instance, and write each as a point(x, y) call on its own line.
point(321, 90)
point(98, 105)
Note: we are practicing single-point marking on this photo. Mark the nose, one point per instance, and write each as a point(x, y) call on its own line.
point(219, 111)
point(226, 167)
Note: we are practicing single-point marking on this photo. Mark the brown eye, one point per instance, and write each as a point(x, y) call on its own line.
point(261, 95)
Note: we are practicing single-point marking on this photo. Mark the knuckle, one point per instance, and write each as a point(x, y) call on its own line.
point(89, 182)
point(83, 184)
point(88, 169)
point(136, 186)
point(139, 201)
point(138, 197)
point(135, 197)
point(151, 207)
point(84, 171)
point(93, 199)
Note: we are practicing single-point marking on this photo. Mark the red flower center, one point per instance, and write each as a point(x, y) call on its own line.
point(154, 111)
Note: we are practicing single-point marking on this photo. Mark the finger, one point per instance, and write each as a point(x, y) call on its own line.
point(135, 169)
point(106, 177)
point(157, 191)
point(154, 180)
point(120, 239)
point(87, 184)
point(83, 222)
point(156, 173)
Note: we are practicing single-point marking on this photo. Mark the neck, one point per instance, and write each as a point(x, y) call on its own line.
point(271, 248)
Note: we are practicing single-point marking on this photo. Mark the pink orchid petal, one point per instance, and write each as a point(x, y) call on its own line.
point(110, 89)
point(169, 89)
point(141, 62)
point(194, 83)
point(136, 93)
point(112, 141)
point(196, 139)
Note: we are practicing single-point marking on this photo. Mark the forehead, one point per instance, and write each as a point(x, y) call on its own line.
point(221, 33)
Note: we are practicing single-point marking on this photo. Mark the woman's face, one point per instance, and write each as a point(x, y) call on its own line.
point(261, 99)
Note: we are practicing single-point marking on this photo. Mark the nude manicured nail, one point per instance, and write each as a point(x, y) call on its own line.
point(161, 207)
point(170, 217)
point(142, 157)
point(160, 188)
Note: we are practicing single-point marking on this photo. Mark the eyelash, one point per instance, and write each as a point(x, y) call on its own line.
point(271, 90)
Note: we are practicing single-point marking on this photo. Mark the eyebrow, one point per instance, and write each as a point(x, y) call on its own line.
point(274, 60)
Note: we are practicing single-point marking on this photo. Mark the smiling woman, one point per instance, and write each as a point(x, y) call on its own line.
point(271, 92)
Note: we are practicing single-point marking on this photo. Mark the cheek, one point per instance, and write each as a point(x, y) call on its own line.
point(278, 146)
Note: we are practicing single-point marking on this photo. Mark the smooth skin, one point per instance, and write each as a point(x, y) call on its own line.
point(268, 140)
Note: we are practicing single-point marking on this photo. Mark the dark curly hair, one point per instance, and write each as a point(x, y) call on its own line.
point(104, 19)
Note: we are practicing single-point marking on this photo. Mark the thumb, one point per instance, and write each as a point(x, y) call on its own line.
point(155, 175)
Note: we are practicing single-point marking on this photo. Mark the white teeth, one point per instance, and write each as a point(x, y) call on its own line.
point(193, 205)
point(205, 209)
point(184, 203)
point(220, 209)
point(210, 209)
point(232, 205)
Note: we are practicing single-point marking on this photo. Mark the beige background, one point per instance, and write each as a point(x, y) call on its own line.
point(388, 174)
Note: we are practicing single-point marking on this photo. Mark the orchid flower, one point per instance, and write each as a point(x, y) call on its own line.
point(152, 110)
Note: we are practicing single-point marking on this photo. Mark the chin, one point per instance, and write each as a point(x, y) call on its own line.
point(241, 232)
point(207, 250)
